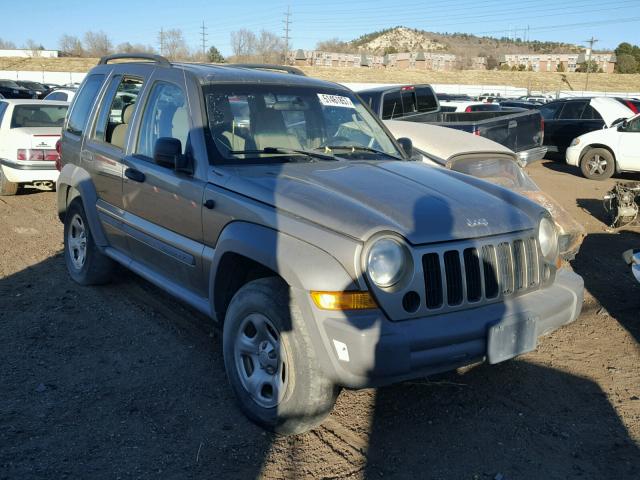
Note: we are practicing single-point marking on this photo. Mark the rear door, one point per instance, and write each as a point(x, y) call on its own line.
point(550, 113)
point(163, 207)
point(576, 118)
point(104, 151)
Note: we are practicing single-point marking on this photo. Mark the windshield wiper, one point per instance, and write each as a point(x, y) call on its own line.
point(358, 148)
point(286, 151)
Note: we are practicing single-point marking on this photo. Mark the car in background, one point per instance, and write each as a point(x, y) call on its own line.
point(632, 103)
point(467, 106)
point(37, 87)
point(10, 89)
point(489, 161)
point(568, 118)
point(602, 153)
point(29, 130)
point(62, 94)
point(519, 104)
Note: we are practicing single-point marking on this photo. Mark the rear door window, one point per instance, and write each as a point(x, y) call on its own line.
point(83, 103)
point(116, 110)
point(391, 105)
point(590, 113)
point(572, 110)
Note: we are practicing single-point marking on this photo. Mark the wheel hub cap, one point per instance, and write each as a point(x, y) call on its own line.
point(77, 242)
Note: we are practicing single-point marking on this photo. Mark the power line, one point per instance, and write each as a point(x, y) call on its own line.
point(203, 35)
point(287, 23)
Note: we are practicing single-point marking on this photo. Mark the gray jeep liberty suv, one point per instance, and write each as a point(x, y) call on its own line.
point(282, 208)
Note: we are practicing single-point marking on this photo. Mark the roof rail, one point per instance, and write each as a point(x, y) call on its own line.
point(268, 66)
point(160, 60)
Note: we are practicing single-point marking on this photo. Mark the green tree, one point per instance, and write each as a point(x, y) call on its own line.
point(505, 67)
point(214, 55)
point(560, 67)
point(522, 68)
point(492, 63)
point(592, 67)
point(626, 64)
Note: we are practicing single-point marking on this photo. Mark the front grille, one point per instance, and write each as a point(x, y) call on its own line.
point(477, 273)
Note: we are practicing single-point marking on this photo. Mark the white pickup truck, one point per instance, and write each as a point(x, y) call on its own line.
point(29, 130)
point(601, 153)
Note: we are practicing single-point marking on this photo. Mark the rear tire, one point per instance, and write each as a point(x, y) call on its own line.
point(270, 360)
point(7, 188)
point(86, 264)
point(598, 164)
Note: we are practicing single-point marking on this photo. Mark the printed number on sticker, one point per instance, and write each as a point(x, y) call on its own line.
point(335, 100)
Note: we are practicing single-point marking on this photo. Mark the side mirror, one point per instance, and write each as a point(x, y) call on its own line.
point(407, 146)
point(167, 152)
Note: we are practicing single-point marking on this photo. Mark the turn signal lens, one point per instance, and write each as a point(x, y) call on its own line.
point(343, 300)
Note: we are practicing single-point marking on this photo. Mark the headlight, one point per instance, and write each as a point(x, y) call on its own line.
point(548, 239)
point(575, 142)
point(386, 262)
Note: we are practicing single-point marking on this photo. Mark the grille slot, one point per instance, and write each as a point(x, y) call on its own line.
point(432, 280)
point(476, 274)
point(453, 274)
point(472, 273)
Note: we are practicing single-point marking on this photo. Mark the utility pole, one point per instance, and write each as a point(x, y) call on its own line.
point(161, 37)
point(287, 31)
point(591, 41)
point(203, 34)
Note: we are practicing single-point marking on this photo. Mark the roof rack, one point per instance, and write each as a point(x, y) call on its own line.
point(160, 60)
point(268, 66)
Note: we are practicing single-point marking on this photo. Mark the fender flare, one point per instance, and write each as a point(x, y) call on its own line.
point(73, 182)
point(300, 264)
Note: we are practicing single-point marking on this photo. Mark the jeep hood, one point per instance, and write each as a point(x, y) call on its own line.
point(424, 204)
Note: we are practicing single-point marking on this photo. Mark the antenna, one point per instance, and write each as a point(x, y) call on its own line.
point(287, 31)
point(203, 35)
point(591, 41)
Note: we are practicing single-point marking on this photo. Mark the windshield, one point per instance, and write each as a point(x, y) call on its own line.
point(38, 116)
point(265, 123)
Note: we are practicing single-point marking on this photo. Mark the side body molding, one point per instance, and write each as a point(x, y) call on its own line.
point(73, 178)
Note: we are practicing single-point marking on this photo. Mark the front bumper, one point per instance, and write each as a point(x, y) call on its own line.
point(527, 157)
point(27, 172)
point(572, 155)
point(364, 349)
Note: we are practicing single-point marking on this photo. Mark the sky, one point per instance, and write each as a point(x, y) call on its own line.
point(572, 21)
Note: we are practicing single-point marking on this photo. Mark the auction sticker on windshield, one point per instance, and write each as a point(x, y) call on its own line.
point(335, 101)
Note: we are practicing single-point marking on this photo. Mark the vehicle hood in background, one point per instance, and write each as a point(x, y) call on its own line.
point(424, 204)
point(610, 109)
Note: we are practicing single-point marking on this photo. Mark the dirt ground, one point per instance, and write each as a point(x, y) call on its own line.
point(121, 381)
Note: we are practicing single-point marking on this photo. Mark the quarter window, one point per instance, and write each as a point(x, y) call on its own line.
point(165, 115)
point(590, 113)
point(572, 110)
point(83, 103)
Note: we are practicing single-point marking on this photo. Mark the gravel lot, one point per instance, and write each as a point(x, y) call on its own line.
point(123, 382)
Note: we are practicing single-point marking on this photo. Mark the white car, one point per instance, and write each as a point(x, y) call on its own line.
point(601, 153)
point(29, 130)
point(62, 94)
point(462, 106)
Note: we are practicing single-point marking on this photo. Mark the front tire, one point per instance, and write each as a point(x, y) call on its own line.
point(598, 164)
point(7, 188)
point(86, 264)
point(270, 360)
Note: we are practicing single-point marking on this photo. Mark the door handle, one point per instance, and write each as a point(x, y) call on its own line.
point(135, 175)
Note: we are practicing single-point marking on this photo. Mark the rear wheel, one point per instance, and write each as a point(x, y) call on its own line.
point(86, 264)
point(6, 187)
point(270, 360)
point(598, 164)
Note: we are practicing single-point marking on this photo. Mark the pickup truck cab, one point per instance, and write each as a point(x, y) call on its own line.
point(601, 153)
point(520, 131)
point(282, 208)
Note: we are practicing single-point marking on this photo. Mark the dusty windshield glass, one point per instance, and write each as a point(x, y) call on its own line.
point(267, 122)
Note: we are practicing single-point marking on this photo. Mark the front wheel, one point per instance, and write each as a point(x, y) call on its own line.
point(598, 164)
point(270, 360)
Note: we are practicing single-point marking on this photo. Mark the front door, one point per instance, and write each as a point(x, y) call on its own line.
point(163, 207)
point(629, 146)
